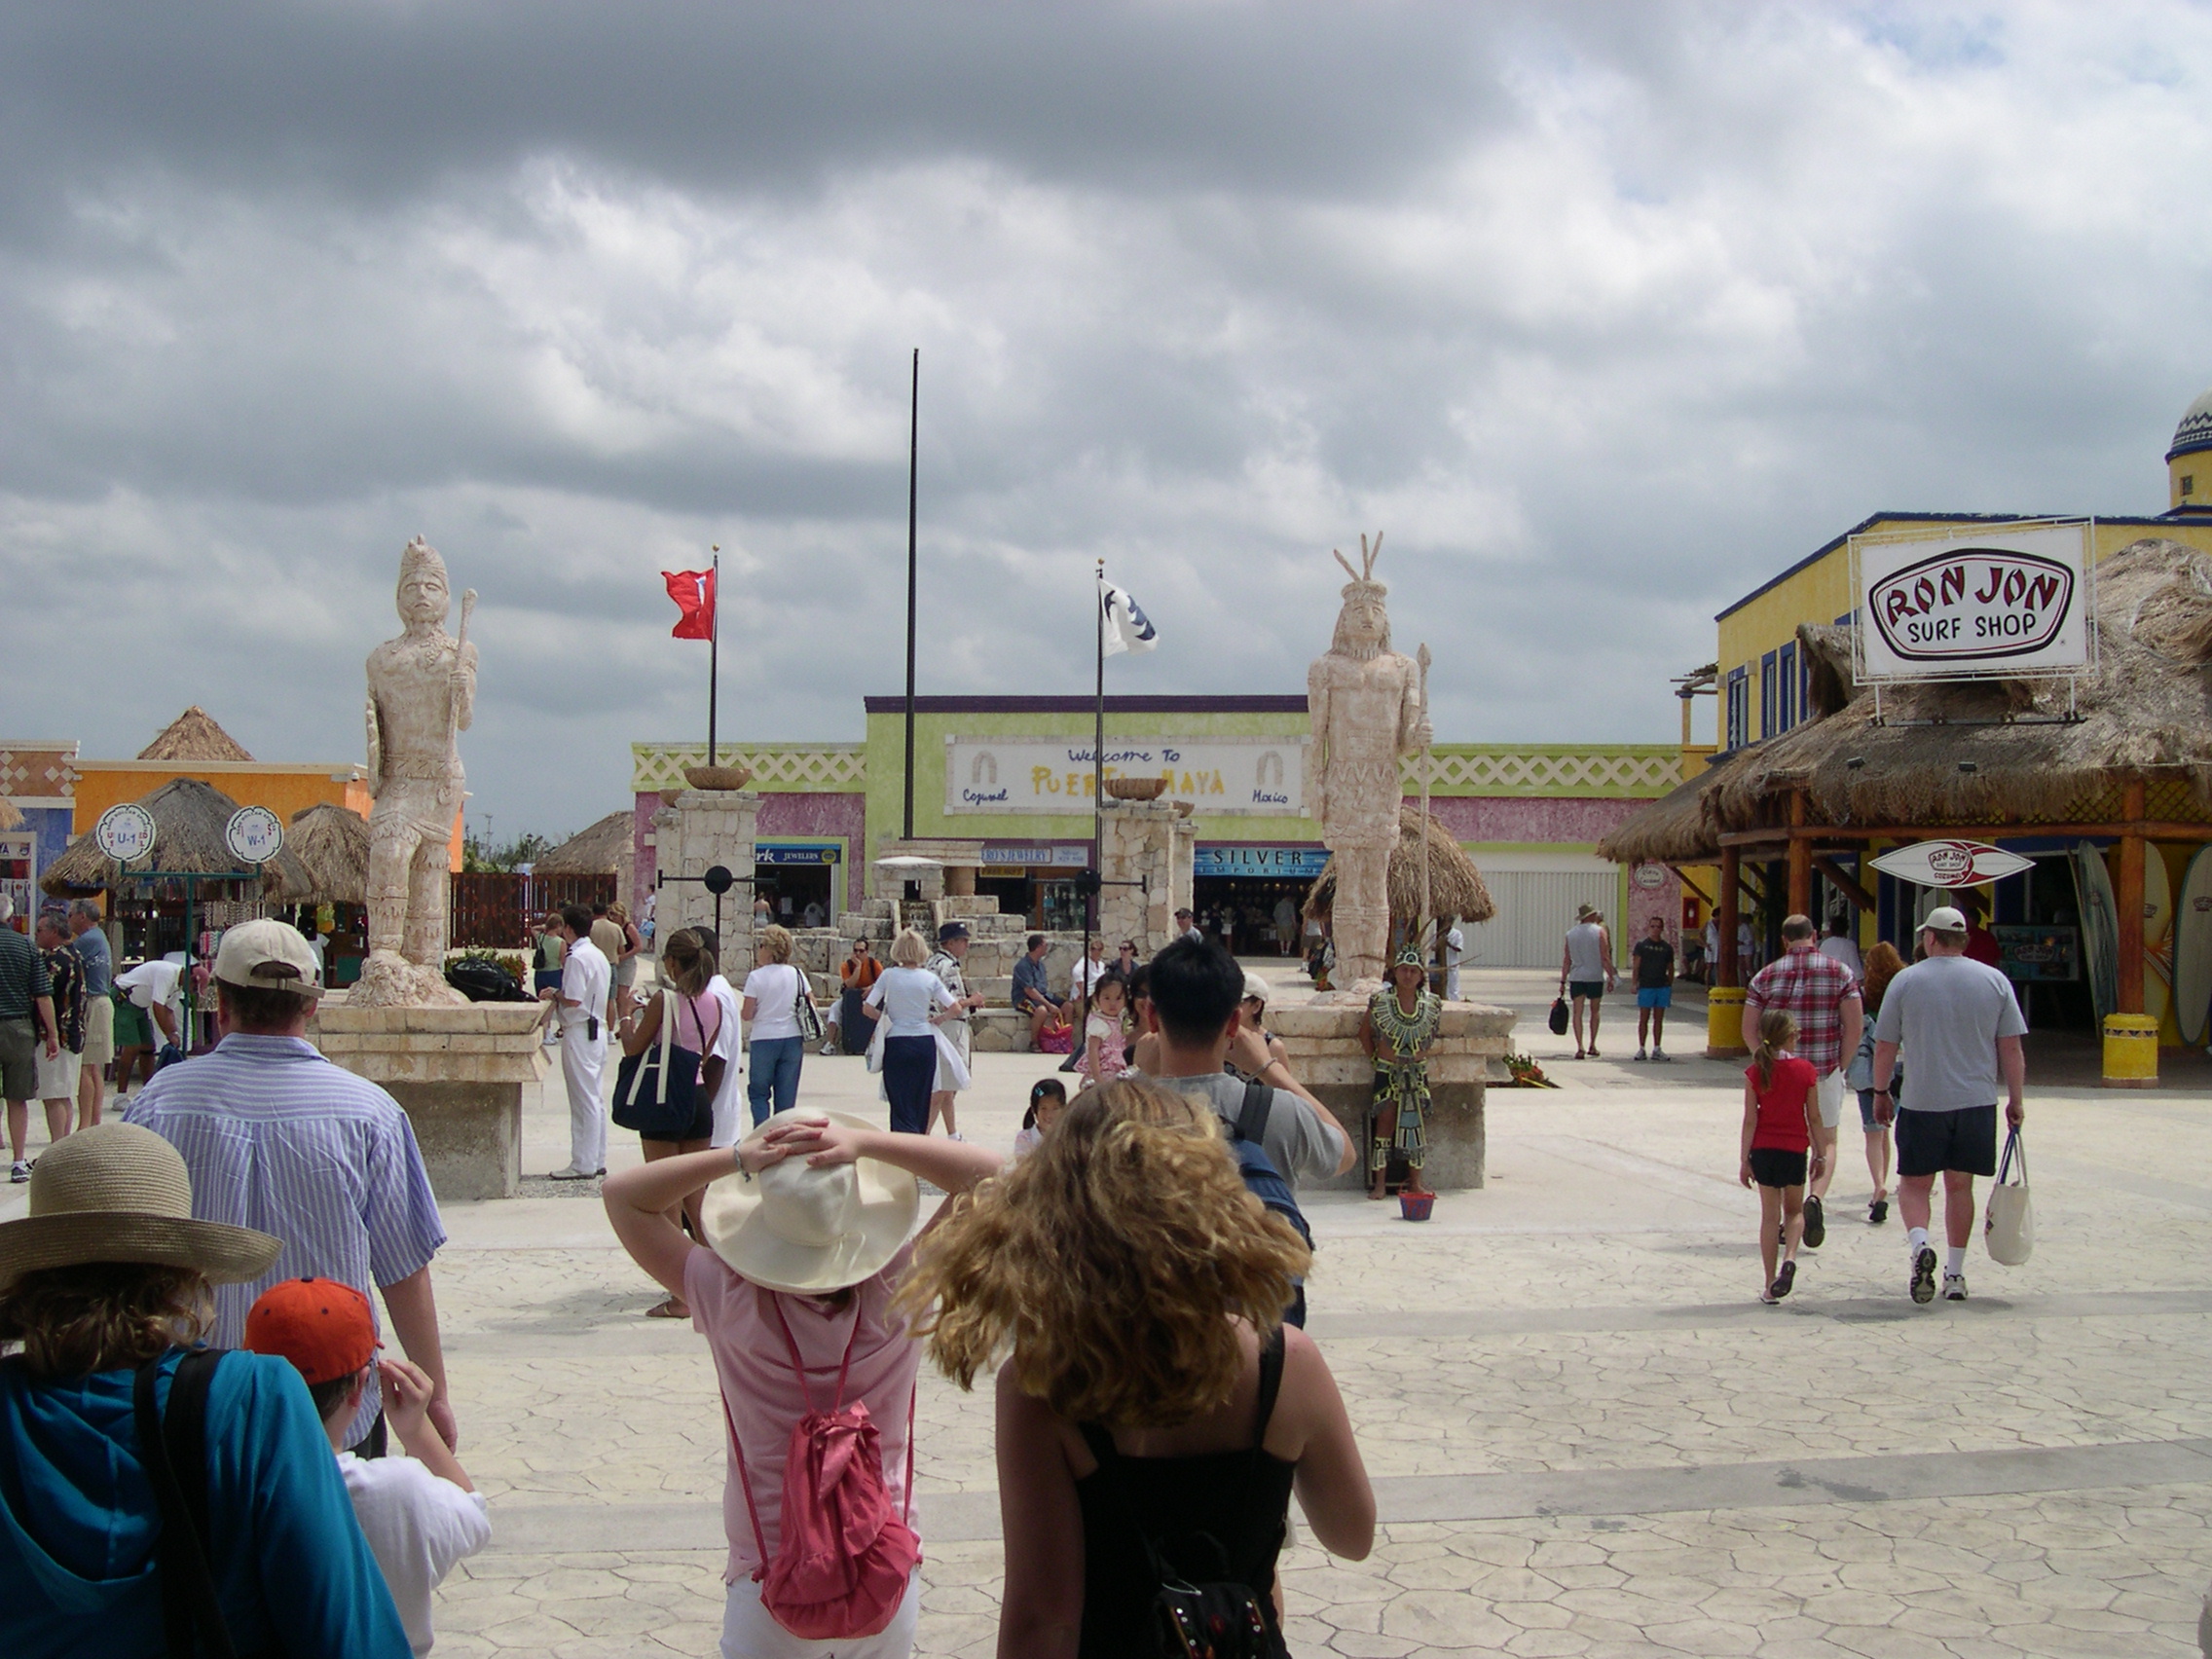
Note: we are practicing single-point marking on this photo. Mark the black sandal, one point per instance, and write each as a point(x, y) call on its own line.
point(1784, 1279)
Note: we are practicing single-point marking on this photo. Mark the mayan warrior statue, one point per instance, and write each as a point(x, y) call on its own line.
point(1366, 707)
point(422, 693)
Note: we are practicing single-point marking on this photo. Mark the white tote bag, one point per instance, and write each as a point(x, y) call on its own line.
point(2009, 1228)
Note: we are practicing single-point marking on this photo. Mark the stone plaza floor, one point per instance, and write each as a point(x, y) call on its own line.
point(1587, 1437)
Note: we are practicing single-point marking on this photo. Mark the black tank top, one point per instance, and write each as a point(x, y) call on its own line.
point(1213, 1517)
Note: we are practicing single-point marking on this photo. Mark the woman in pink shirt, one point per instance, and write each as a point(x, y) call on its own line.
point(809, 1225)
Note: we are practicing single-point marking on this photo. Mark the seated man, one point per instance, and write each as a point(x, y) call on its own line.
point(1032, 994)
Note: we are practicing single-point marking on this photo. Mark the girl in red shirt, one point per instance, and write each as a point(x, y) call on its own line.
point(1778, 1107)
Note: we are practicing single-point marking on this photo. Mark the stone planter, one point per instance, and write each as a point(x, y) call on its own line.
point(718, 777)
point(458, 1073)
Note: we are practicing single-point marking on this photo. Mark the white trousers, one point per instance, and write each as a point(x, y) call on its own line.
point(750, 1633)
point(583, 1063)
point(1450, 984)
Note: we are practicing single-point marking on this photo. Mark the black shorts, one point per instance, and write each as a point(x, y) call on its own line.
point(1928, 1143)
point(702, 1126)
point(1774, 1167)
point(1590, 991)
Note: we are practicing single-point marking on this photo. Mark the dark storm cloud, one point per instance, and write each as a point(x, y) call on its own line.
point(1603, 313)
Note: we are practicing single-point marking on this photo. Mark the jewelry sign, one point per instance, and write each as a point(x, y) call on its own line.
point(1992, 601)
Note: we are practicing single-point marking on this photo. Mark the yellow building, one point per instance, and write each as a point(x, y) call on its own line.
point(1762, 681)
point(194, 746)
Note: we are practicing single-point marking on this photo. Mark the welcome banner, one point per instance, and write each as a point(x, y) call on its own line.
point(1264, 776)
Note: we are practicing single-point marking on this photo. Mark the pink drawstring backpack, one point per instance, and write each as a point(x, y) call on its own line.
point(845, 1558)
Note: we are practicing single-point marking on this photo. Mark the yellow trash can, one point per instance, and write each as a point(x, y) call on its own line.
point(2131, 1050)
point(1725, 1022)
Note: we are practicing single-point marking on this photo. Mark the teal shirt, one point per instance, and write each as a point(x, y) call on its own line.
point(78, 1521)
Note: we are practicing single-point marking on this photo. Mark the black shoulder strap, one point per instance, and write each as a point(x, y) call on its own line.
point(184, 1426)
point(1270, 1384)
point(188, 1585)
point(1252, 1116)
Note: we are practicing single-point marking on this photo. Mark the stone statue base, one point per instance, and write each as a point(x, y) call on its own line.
point(389, 980)
point(1322, 1038)
point(457, 1072)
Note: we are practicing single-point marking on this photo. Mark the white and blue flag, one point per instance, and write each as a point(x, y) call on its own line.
point(1127, 628)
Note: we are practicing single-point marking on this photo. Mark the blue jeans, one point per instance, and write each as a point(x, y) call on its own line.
point(909, 1069)
point(775, 1071)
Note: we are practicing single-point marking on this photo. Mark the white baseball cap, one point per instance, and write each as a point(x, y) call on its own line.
point(266, 956)
point(1945, 919)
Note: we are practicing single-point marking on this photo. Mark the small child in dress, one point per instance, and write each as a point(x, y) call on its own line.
point(1105, 1040)
point(418, 1512)
point(1780, 1104)
point(1047, 1101)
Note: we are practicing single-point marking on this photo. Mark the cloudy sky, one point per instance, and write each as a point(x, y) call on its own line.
point(1602, 312)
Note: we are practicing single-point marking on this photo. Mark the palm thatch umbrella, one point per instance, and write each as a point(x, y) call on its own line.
point(188, 841)
point(1456, 886)
point(601, 850)
point(1984, 753)
point(9, 816)
point(194, 735)
point(332, 844)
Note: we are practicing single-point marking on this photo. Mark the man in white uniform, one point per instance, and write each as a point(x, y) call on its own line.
point(1454, 947)
point(581, 1002)
point(729, 1107)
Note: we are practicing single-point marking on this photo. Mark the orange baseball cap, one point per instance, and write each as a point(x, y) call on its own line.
point(324, 1327)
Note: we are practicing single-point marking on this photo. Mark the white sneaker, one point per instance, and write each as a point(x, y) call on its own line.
point(1639, 1054)
point(19, 1171)
point(1954, 1287)
point(1661, 1054)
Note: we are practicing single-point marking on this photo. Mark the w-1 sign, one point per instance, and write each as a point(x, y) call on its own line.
point(1979, 603)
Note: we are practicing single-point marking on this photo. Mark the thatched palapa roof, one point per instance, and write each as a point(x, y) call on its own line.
point(194, 735)
point(332, 844)
point(188, 840)
point(1454, 886)
point(1983, 753)
point(9, 816)
point(604, 849)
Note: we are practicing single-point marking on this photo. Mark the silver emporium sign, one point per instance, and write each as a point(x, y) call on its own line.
point(1263, 776)
point(1993, 602)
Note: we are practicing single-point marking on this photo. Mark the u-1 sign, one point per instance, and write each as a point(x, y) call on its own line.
point(1979, 603)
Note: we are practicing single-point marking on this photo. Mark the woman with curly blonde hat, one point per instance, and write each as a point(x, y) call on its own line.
point(1156, 1413)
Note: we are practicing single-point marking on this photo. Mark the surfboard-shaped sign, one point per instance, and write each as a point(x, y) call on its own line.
point(1951, 864)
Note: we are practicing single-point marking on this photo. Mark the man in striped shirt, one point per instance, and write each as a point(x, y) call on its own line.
point(277, 1138)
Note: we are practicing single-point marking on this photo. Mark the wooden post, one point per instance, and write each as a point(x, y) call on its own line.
point(1800, 859)
point(1731, 879)
point(2128, 902)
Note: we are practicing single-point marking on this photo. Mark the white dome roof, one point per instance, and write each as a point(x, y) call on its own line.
point(2195, 429)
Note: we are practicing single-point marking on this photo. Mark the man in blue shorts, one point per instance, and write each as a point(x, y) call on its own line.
point(1961, 1023)
point(1654, 986)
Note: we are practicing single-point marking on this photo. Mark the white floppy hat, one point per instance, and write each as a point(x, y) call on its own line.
point(797, 1228)
point(119, 1192)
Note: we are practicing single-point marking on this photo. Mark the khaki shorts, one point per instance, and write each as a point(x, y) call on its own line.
point(57, 1077)
point(1830, 1092)
point(18, 1062)
point(99, 1031)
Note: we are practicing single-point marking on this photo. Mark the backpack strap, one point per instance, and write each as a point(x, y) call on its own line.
point(1270, 1384)
point(189, 1602)
point(745, 1480)
point(798, 1365)
point(1252, 1116)
point(184, 1426)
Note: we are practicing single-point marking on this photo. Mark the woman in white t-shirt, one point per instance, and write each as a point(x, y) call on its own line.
point(771, 1008)
point(911, 996)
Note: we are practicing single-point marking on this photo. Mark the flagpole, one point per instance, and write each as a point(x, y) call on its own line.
point(913, 470)
point(1097, 772)
point(714, 658)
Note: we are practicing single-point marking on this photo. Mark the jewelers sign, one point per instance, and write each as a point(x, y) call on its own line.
point(1986, 602)
point(1245, 775)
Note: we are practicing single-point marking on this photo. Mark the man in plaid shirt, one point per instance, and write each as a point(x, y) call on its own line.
point(1821, 995)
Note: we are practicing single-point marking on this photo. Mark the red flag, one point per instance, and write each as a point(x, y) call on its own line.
point(694, 594)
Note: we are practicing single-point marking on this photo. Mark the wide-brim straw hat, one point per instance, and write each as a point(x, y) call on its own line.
point(810, 1231)
point(120, 1193)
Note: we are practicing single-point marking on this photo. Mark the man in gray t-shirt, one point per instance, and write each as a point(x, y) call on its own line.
point(1197, 990)
point(1586, 968)
point(1960, 1023)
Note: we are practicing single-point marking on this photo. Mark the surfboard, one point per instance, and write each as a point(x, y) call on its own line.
point(2192, 950)
point(2100, 931)
point(2157, 929)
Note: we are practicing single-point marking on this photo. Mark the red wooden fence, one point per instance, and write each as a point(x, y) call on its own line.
point(490, 908)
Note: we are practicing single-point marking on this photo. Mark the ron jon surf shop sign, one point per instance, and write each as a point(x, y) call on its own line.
point(1978, 603)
